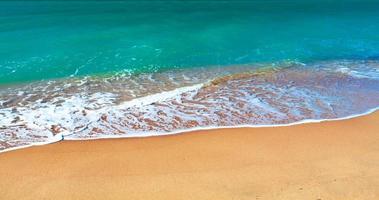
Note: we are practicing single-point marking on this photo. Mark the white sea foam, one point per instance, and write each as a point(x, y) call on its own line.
point(58, 137)
point(164, 104)
point(152, 133)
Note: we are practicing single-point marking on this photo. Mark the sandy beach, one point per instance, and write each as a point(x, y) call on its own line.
point(328, 160)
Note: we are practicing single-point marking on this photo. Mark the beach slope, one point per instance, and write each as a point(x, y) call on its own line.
point(328, 160)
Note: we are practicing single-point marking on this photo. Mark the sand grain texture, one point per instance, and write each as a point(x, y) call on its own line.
point(328, 160)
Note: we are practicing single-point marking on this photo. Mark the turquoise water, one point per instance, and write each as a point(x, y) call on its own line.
point(52, 39)
point(100, 69)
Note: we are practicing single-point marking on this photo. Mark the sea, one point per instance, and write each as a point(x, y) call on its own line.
point(90, 69)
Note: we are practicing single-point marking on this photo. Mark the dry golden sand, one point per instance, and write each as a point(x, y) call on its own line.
point(330, 160)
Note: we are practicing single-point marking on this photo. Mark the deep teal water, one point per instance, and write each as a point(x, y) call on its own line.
point(218, 47)
point(52, 39)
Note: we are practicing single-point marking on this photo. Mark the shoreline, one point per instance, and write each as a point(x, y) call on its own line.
point(326, 160)
point(153, 134)
point(270, 96)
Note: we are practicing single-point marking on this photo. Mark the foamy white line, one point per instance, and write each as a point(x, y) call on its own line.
point(149, 99)
point(142, 101)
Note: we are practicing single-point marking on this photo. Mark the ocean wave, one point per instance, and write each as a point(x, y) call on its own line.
point(122, 105)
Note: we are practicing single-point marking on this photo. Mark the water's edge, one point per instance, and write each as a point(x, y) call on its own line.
point(58, 137)
point(176, 102)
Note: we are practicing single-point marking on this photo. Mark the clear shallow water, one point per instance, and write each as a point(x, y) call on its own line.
point(51, 39)
point(93, 69)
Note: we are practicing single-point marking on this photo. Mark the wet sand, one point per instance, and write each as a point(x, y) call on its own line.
point(328, 160)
